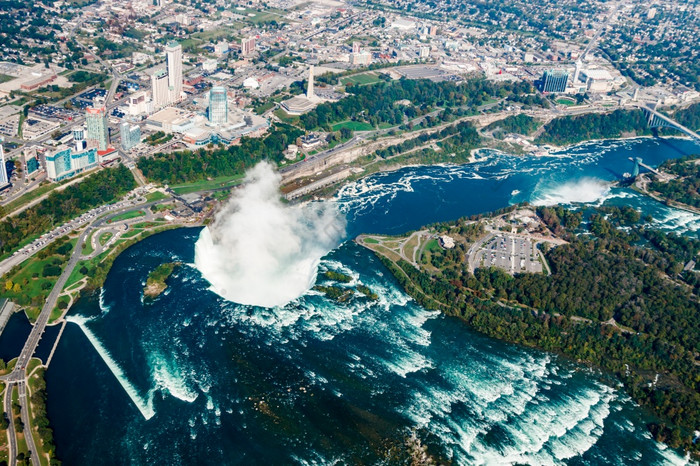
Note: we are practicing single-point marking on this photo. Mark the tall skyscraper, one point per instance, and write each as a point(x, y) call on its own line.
point(577, 72)
point(160, 89)
point(173, 52)
point(3, 168)
point(356, 47)
point(554, 81)
point(218, 106)
point(97, 131)
point(310, 89)
point(247, 46)
point(130, 135)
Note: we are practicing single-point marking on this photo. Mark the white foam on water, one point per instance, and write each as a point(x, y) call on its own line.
point(170, 378)
point(584, 190)
point(262, 252)
point(679, 220)
point(145, 406)
point(104, 307)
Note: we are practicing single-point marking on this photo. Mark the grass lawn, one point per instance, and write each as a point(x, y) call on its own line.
point(565, 101)
point(214, 35)
point(361, 79)
point(353, 125)
point(9, 367)
point(87, 249)
point(214, 183)
point(127, 216)
point(262, 108)
point(104, 237)
point(90, 264)
point(262, 16)
point(131, 233)
point(4, 78)
point(371, 241)
point(156, 196)
point(142, 225)
point(432, 245)
point(33, 363)
point(290, 119)
point(58, 310)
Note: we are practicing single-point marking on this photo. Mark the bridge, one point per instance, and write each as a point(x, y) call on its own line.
point(656, 119)
point(638, 163)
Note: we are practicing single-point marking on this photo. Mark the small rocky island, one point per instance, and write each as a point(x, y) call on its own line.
point(156, 281)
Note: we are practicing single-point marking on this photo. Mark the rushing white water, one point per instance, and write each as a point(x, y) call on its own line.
point(262, 252)
point(584, 190)
point(145, 406)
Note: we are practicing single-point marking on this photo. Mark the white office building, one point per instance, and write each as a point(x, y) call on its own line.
point(173, 52)
point(160, 89)
point(218, 106)
point(3, 168)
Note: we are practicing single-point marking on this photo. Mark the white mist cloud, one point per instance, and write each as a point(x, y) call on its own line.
point(262, 252)
point(585, 190)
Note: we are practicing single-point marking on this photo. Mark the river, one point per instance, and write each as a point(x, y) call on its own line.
point(191, 378)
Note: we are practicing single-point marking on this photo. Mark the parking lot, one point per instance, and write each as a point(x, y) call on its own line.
point(511, 253)
point(51, 111)
point(67, 227)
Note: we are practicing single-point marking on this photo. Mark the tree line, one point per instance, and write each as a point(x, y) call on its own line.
point(572, 129)
point(613, 300)
point(103, 187)
point(685, 188)
point(187, 166)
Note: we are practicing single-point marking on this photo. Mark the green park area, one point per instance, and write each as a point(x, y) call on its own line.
point(30, 283)
point(219, 182)
point(127, 216)
point(352, 125)
point(95, 269)
point(257, 17)
point(42, 433)
point(568, 101)
point(155, 196)
point(360, 79)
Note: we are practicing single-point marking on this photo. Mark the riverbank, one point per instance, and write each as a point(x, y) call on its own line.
point(527, 308)
point(372, 166)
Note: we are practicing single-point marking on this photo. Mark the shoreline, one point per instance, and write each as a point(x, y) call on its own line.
point(330, 191)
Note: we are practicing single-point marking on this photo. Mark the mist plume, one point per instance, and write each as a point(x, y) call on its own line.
point(261, 252)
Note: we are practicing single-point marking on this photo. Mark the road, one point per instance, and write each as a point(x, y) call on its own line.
point(28, 436)
point(12, 444)
point(19, 374)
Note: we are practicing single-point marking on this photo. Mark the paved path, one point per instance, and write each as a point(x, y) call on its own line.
point(19, 373)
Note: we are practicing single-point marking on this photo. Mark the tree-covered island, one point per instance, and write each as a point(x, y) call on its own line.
point(156, 283)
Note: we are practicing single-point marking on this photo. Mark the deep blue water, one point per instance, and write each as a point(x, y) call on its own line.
point(191, 378)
